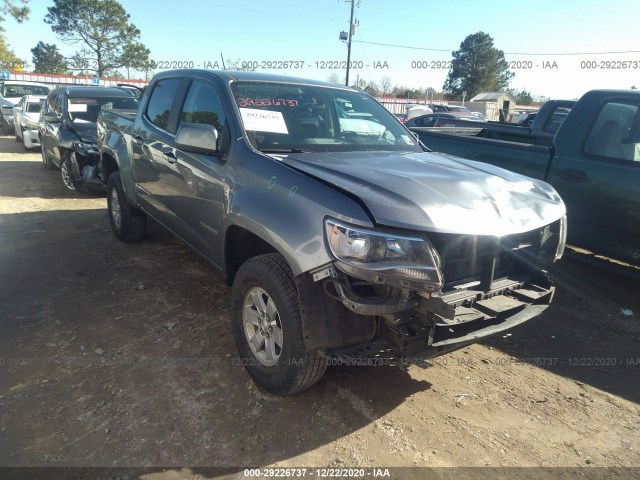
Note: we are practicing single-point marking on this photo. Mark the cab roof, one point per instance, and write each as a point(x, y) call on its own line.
point(227, 76)
point(90, 91)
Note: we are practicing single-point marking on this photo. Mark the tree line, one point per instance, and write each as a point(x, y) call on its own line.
point(110, 44)
point(108, 41)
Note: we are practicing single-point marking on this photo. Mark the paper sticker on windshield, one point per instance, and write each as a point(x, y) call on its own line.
point(77, 107)
point(263, 120)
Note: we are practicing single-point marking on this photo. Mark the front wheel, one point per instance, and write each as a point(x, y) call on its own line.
point(127, 222)
point(46, 159)
point(66, 172)
point(267, 328)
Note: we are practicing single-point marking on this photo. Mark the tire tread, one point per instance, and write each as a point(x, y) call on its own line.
point(313, 366)
point(136, 220)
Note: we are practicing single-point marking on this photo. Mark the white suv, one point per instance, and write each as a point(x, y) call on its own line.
point(11, 91)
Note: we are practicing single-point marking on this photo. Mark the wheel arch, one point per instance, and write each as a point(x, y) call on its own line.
point(115, 157)
point(240, 245)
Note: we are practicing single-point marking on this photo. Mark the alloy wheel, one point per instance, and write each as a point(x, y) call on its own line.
point(262, 326)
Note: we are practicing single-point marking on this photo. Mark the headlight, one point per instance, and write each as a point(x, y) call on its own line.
point(383, 258)
point(31, 125)
point(85, 149)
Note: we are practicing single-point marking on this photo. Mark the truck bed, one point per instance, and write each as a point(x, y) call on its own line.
point(525, 158)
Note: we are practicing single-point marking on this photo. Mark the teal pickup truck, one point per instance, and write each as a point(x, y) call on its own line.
point(593, 162)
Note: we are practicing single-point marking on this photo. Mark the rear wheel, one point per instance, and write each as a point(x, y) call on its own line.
point(127, 222)
point(267, 329)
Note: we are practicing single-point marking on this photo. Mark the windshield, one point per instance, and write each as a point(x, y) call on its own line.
point(87, 109)
point(285, 117)
point(19, 91)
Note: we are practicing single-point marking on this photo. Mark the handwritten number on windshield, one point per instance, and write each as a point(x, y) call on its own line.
point(266, 102)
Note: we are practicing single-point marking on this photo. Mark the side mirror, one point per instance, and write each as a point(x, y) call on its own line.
point(51, 118)
point(197, 138)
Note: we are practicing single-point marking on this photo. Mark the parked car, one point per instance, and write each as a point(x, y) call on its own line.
point(437, 108)
point(401, 116)
point(442, 120)
point(480, 116)
point(593, 161)
point(11, 91)
point(67, 130)
point(26, 115)
point(353, 245)
point(414, 111)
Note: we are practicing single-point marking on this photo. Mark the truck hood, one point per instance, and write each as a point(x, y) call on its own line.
point(436, 192)
point(86, 131)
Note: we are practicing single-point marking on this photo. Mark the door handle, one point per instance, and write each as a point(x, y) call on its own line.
point(138, 139)
point(572, 175)
point(170, 154)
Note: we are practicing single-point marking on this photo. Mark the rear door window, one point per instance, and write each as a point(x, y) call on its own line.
point(615, 133)
point(556, 119)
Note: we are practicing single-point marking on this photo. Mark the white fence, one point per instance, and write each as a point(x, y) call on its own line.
point(70, 79)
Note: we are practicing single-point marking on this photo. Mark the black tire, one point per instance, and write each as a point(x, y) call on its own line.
point(127, 222)
point(46, 160)
point(66, 172)
point(291, 370)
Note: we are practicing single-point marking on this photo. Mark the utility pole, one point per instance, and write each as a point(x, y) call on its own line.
point(349, 41)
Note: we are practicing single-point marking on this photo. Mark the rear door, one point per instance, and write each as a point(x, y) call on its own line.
point(152, 136)
point(600, 181)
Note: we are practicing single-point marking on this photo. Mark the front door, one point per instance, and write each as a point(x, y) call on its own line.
point(193, 185)
point(600, 183)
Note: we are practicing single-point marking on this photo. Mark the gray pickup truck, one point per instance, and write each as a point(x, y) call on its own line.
point(343, 240)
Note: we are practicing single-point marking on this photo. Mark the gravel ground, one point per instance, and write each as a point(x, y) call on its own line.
point(115, 355)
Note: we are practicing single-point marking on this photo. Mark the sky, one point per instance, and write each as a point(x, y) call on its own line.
point(539, 38)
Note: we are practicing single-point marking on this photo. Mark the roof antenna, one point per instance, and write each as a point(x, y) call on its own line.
point(222, 58)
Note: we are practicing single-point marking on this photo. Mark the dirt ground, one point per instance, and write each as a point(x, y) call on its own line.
point(117, 355)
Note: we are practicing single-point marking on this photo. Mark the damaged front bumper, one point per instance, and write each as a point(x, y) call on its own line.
point(422, 325)
point(437, 324)
point(85, 162)
point(490, 284)
point(31, 138)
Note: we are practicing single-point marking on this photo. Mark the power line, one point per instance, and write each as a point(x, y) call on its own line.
point(408, 47)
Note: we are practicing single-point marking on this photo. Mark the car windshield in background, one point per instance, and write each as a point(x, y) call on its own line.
point(18, 91)
point(33, 107)
point(281, 117)
point(83, 109)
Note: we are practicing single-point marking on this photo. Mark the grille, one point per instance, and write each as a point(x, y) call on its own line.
point(472, 258)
